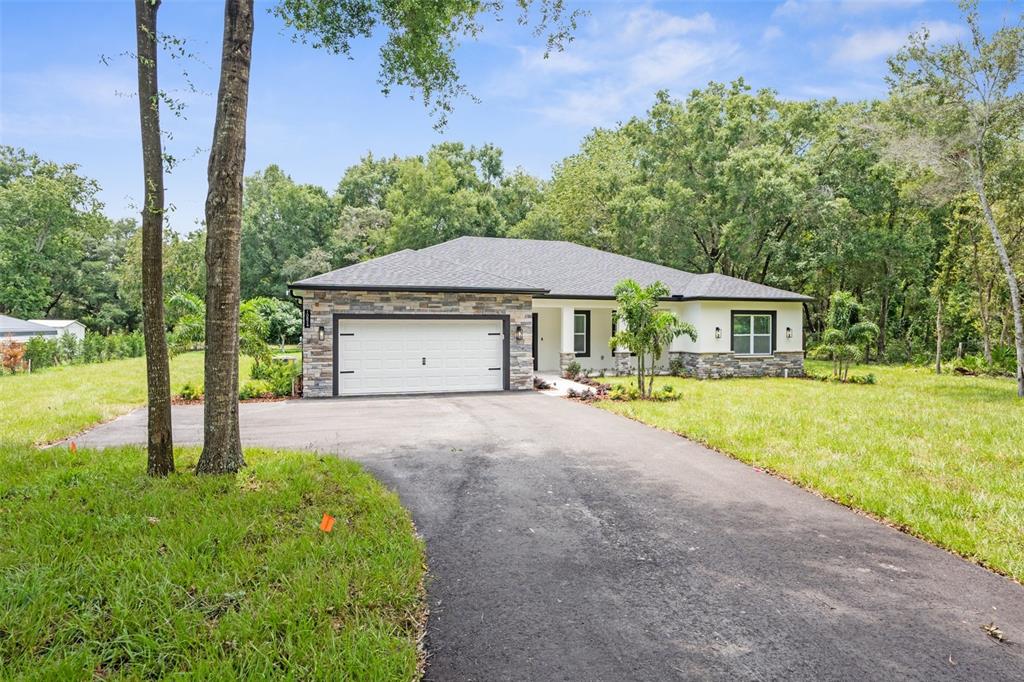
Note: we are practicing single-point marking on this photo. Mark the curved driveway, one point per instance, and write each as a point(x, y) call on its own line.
point(567, 543)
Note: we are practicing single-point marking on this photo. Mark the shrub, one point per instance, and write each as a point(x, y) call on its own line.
point(12, 355)
point(676, 367)
point(278, 374)
point(624, 392)
point(572, 370)
point(191, 391)
point(69, 349)
point(41, 352)
point(94, 347)
point(256, 388)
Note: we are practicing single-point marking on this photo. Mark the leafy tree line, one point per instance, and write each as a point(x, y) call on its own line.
point(875, 198)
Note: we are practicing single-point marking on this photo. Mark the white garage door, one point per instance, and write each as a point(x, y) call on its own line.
point(419, 356)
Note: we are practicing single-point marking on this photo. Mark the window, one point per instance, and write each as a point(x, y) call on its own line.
point(581, 333)
point(752, 333)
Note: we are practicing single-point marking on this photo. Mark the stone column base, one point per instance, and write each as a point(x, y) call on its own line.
point(564, 360)
point(623, 365)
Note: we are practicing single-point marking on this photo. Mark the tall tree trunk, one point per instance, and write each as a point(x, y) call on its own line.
point(160, 445)
point(1011, 281)
point(938, 337)
point(883, 318)
point(984, 311)
point(222, 448)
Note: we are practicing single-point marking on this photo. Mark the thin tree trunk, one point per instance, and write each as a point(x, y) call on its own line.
point(983, 308)
point(160, 445)
point(938, 338)
point(1011, 281)
point(222, 448)
point(883, 318)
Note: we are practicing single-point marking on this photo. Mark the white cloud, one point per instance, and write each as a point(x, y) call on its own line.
point(869, 45)
point(771, 34)
point(825, 10)
point(619, 60)
point(648, 24)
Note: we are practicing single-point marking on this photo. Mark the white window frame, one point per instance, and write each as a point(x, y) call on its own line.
point(749, 350)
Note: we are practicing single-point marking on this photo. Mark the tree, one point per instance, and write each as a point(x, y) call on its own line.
point(965, 103)
point(222, 447)
point(49, 214)
point(160, 447)
point(417, 51)
point(281, 220)
point(283, 319)
point(846, 336)
point(645, 330)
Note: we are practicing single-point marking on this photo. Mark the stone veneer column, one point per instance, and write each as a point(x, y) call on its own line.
point(623, 366)
point(564, 360)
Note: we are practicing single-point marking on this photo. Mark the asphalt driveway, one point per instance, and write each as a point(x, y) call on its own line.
point(567, 543)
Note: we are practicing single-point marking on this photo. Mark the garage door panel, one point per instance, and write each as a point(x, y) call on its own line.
point(380, 356)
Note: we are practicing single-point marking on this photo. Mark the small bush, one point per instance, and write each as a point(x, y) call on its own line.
point(676, 367)
point(572, 370)
point(191, 391)
point(256, 388)
point(279, 375)
point(539, 384)
point(12, 355)
point(623, 392)
point(41, 352)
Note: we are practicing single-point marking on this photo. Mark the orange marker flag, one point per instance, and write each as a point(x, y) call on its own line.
point(327, 523)
point(73, 447)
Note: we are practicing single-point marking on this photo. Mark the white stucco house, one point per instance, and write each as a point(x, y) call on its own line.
point(484, 314)
point(73, 327)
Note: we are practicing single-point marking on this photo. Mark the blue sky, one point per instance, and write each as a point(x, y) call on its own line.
point(315, 114)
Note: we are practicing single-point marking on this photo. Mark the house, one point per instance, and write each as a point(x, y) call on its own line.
point(483, 314)
point(13, 329)
point(73, 327)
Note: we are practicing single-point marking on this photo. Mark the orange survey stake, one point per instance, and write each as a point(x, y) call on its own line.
point(327, 523)
point(73, 447)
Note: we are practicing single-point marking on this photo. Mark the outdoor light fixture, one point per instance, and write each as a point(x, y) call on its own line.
point(789, 332)
point(320, 333)
point(718, 332)
point(519, 332)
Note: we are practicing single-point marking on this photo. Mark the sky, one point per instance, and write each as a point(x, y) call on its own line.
point(67, 89)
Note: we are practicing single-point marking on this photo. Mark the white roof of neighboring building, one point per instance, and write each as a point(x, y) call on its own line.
point(12, 325)
point(56, 323)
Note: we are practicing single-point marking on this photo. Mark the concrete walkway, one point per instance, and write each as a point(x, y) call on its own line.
point(567, 543)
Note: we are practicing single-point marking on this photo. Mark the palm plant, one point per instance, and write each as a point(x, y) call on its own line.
point(846, 335)
point(645, 330)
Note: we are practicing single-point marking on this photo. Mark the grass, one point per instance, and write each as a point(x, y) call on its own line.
point(105, 572)
point(940, 456)
point(59, 401)
point(108, 573)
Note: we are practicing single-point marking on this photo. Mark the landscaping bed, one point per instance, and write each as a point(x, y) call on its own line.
point(106, 572)
point(938, 456)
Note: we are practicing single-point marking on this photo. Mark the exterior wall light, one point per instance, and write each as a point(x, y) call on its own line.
point(718, 332)
point(789, 332)
point(519, 333)
point(320, 333)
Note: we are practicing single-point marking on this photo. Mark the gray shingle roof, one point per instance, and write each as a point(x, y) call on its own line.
point(414, 271)
point(552, 268)
point(12, 325)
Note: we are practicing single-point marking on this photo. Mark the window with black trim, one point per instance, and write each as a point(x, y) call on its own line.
point(752, 333)
point(581, 333)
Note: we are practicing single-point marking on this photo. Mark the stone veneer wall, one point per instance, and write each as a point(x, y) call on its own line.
point(719, 365)
point(318, 356)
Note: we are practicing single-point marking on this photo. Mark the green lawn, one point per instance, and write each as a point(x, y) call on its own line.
point(59, 401)
point(107, 573)
point(941, 456)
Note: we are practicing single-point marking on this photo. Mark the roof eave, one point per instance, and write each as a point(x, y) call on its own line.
point(795, 298)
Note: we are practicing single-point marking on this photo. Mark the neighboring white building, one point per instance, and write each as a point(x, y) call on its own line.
point(73, 327)
point(13, 329)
